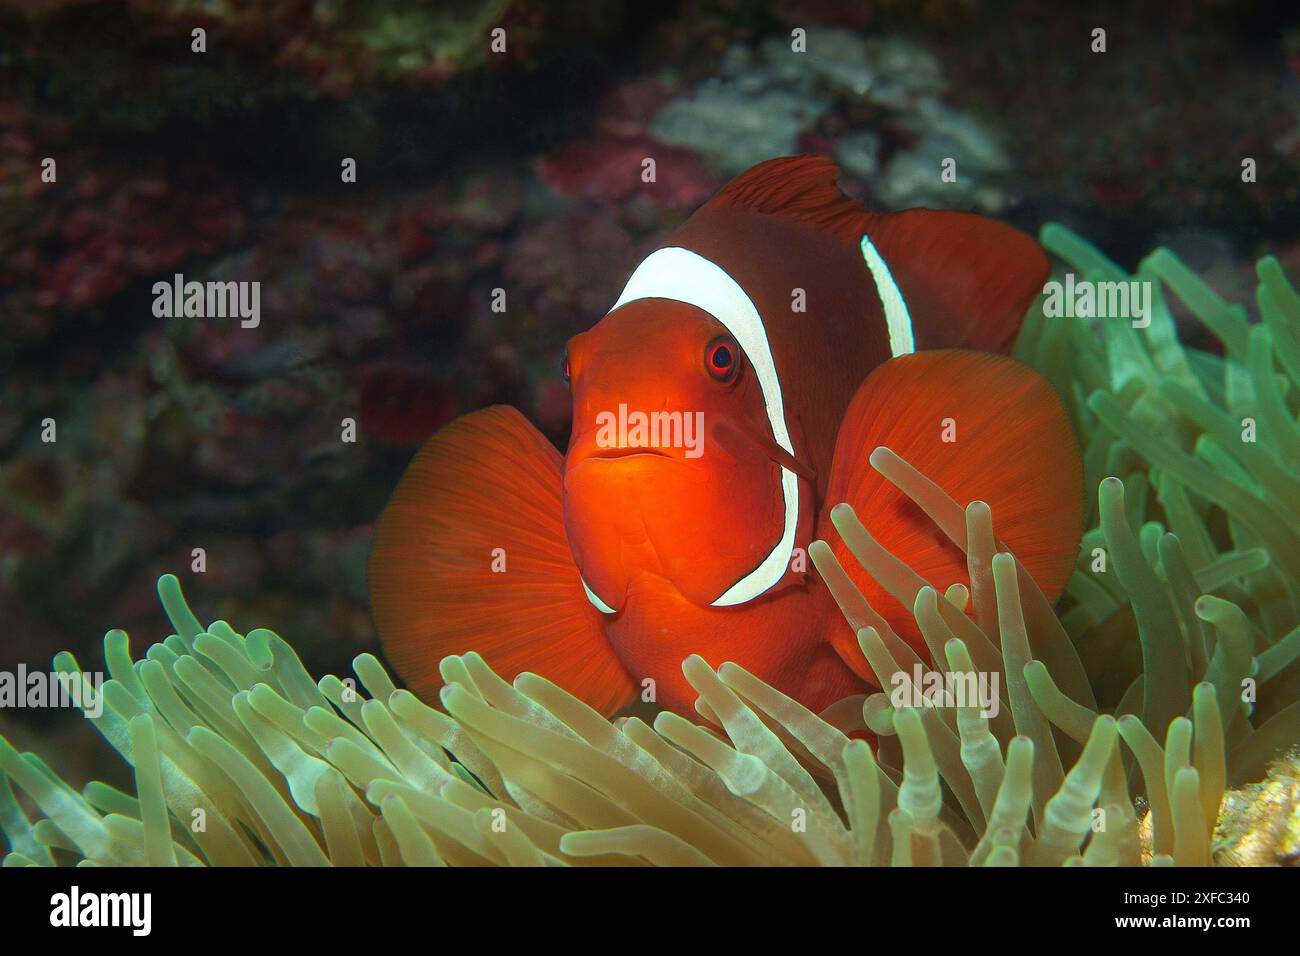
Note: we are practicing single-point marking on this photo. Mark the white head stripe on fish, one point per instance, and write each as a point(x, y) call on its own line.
point(685, 276)
point(897, 318)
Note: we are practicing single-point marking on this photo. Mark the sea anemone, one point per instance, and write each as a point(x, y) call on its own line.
point(241, 758)
point(1208, 449)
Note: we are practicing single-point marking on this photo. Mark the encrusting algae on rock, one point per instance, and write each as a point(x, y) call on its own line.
point(1259, 824)
point(1198, 600)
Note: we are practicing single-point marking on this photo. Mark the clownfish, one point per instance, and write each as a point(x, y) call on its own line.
point(770, 345)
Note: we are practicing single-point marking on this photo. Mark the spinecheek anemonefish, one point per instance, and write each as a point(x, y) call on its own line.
point(800, 331)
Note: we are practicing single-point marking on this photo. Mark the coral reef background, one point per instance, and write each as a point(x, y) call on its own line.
point(479, 171)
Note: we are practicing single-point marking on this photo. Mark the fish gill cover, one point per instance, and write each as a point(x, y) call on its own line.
point(1200, 532)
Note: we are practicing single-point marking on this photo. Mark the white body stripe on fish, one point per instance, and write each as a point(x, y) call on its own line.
point(684, 276)
point(897, 319)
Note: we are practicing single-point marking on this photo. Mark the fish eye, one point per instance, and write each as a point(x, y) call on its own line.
point(566, 370)
point(722, 358)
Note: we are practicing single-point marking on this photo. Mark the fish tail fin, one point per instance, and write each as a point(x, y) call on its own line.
point(982, 427)
point(471, 555)
point(966, 280)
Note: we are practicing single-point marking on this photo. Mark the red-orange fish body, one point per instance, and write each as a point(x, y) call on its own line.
point(731, 396)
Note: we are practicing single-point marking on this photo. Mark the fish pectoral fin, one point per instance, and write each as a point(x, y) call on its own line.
point(471, 555)
point(789, 461)
point(981, 427)
point(727, 431)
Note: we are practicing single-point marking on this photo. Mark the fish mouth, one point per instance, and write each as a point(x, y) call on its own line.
point(635, 460)
point(615, 454)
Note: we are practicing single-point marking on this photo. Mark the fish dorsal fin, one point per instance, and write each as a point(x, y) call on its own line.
point(966, 279)
point(800, 189)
